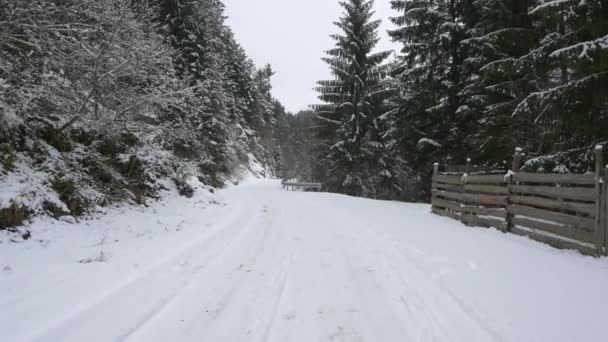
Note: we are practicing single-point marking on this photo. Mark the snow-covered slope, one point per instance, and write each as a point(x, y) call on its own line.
point(256, 263)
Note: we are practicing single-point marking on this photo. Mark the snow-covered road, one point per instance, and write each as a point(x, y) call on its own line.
point(256, 263)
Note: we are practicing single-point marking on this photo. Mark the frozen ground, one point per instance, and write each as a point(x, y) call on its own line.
point(255, 263)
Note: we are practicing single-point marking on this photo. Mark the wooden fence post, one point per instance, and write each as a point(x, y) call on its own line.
point(604, 209)
point(600, 213)
point(516, 160)
point(435, 173)
point(515, 166)
point(463, 182)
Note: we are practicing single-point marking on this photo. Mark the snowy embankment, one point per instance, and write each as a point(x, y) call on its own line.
point(255, 263)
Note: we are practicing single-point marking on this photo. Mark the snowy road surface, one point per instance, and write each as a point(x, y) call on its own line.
point(256, 263)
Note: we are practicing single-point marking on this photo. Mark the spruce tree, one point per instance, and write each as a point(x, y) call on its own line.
point(496, 80)
point(353, 101)
point(239, 71)
point(196, 28)
point(571, 69)
point(262, 110)
point(430, 117)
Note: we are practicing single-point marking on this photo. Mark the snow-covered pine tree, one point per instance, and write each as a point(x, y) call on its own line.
point(214, 120)
point(495, 80)
point(429, 79)
point(262, 114)
point(280, 136)
point(196, 28)
point(239, 71)
point(571, 68)
point(354, 100)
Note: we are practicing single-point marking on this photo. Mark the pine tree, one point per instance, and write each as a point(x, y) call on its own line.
point(353, 102)
point(281, 135)
point(571, 69)
point(430, 117)
point(196, 28)
point(496, 80)
point(239, 71)
point(262, 99)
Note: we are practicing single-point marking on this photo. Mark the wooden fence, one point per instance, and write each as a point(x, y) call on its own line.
point(563, 210)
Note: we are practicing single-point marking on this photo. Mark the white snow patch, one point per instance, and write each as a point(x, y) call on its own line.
point(427, 141)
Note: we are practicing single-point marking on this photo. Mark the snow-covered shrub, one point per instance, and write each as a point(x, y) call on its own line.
point(13, 216)
point(580, 160)
point(7, 157)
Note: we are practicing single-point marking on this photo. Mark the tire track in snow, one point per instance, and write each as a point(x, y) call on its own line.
point(283, 276)
point(440, 290)
point(353, 252)
point(428, 290)
point(436, 291)
point(221, 231)
point(189, 283)
point(219, 283)
point(195, 279)
point(324, 275)
point(272, 321)
point(431, 291)
point(245, 294)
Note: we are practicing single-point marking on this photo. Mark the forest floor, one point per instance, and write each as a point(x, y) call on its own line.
point(256, 263)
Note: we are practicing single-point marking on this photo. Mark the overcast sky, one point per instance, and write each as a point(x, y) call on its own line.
point(292, 35)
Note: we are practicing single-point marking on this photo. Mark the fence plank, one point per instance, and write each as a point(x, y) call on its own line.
point(567, 231)
point(448, 179)
point(484, 222)
point(448, 187)
point(502, 213)
point(488, 179)
point(454, 196)
point(444, 213)
point(576, 221)
point(571, 193)
point(438, 202)
point(585, 208)
point(556, 241)
point(485, 199)
point(490, 189)
point(472, 198)
point(523, 177)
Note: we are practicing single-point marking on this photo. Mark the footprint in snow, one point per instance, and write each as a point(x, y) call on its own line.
point(289, 316)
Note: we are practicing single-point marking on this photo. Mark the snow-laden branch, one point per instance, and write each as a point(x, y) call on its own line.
point(584, 47)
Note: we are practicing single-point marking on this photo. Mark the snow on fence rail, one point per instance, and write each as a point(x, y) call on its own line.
point(475, 168)
point(563, 210)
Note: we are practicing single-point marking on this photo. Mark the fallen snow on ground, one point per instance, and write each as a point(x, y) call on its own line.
point(256, 263)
